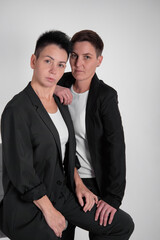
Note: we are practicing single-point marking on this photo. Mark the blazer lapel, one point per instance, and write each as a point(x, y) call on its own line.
point(44, 115)
point(90, 116)
point(69, 159)
point(92, 96)
point(64, 111)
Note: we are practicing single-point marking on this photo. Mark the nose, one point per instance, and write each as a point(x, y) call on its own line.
point(53, 68)
point(78, 62)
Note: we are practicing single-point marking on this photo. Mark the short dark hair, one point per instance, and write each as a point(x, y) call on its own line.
point(90, 36)
point(53, 37)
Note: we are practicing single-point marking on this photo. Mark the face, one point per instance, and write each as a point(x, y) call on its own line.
point(84, 61)
point(49, 66)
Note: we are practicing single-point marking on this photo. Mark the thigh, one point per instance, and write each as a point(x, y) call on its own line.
point(74, 213)
point(37, 230)
point(69, 233)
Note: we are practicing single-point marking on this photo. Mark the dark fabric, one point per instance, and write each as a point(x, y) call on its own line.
point(32, 164)
point(1, 188)
point(105, 139)
point(120, 229)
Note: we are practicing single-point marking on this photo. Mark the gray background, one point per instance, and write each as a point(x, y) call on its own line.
point(131, 33)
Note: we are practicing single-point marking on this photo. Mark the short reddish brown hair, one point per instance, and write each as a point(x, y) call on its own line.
point(89, 36)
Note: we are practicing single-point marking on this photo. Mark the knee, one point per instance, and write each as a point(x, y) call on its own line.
point(129, 225)
point(125, 223)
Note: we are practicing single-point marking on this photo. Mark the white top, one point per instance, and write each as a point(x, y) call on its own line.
point(78, 113)
point(62, 130)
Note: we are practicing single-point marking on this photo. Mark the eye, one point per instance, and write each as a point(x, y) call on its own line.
point(61, 65)
point(87, 57)
point(73, 56)
point(48, 61)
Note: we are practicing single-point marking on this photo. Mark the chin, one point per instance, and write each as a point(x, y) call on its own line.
point(49, 84)
point(78, 77)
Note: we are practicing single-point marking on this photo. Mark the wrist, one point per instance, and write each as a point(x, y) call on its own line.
point(44, 204)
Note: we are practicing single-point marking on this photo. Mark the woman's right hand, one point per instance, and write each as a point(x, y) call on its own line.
point(64, 94)
point(56, 221)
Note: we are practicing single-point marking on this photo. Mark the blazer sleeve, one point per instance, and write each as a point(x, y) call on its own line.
point(67, 80)
point(115, 151)
point(18, 155)
point(77, 163)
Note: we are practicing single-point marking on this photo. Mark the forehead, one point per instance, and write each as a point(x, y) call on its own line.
point(84, 47)
point(53, 50)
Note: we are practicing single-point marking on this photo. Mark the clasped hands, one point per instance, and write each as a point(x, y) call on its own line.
point(104, 213)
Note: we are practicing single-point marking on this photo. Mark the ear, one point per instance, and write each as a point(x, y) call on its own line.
point(100, 58)
point(33, 61)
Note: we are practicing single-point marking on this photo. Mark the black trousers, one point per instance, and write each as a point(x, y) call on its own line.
point(120, 229)
point(37, 229)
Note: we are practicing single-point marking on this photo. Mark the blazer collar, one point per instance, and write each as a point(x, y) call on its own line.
point(44, 115)
point(68, 80)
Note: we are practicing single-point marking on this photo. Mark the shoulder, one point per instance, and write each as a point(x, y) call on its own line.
point(16, 105)
point(106, 89)
point(67, 80)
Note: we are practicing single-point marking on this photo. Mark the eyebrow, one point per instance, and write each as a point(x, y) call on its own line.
point(84, 54)
point(54, 59)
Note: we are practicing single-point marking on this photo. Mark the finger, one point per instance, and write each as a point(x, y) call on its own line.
point(96, 199)
point(105, 218)
point(80, 199)
point(87, 204)
point(93, 203)
point(99, 208)
point(111, 217)
point(61, 99)
point(65, 100)
point(68, 101)
point(99, 202)
point(66, 225)
point(56, 232)
point(70, 96)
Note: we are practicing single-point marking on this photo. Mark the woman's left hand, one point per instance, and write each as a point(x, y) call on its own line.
point(90, 199)
point(105, 213)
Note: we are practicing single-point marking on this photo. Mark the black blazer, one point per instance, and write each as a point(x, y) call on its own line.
point(32, 163)
point(105, 139)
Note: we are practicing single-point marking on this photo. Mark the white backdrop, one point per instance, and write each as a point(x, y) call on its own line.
point(131, 33)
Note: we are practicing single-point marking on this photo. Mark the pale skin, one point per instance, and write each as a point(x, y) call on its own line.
point(84, 62)
point(83, 192)
point(48, 68)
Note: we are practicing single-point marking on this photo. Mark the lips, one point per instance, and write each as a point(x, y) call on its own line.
point(78, 71)
point(50, 79)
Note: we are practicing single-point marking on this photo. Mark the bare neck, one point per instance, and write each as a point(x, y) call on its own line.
point(43, 92)
point(81, 86)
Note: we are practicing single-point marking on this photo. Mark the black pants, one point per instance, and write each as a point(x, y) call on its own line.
point(37, 229)
point(120, 229)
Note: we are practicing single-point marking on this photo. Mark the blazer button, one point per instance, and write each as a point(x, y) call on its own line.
point(59, 182)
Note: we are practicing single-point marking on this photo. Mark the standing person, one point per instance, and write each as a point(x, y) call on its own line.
point(38, 145)
point(98, 129)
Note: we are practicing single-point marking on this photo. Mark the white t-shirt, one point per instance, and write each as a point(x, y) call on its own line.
point(78, 113)
point(62, 130)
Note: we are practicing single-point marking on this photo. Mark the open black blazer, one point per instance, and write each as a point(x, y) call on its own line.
point(105, 138)
point(32, 163)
